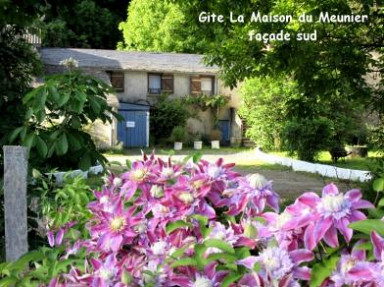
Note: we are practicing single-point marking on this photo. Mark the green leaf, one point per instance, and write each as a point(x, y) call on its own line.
point(369, 225)
point(23, 261)
point(8, 281)
point(36, 173)
point(75, 122)
point(179, 252)
point(128, 163)
point(230, 278)
point(176, 225)
point(15, 133)
point(62, 145)
point(220, 244)
point(42, 147)
point(184, 262)
point(203, 220)
point(199, 256)
point(85, 162)
point(197, 156)
point(322, 270)
point(54, 94)
point(228, 258)
point(63, 99)
point(381, 202)
point(29, 140)
point(378, 185)
point(364, 246)
point(74, 142)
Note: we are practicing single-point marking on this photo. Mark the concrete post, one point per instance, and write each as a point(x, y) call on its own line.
point(15, 201)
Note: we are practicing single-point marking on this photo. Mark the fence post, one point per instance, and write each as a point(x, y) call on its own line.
point(15, 201)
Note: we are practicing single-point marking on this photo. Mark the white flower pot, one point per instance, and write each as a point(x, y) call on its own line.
point(215, 144)
point(178, 146)
point(197, 144)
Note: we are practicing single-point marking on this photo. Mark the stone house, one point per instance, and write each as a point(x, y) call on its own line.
point(139, 78)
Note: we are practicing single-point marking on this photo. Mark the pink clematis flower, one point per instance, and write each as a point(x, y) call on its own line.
point(347, 262)
point(324, 216)
point(208, 278)
point(279, 265)
point(372, 274)
point(112, 230)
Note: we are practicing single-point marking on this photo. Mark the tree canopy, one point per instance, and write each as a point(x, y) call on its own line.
point(154, 25)
point(83, 23)
point(330, 70)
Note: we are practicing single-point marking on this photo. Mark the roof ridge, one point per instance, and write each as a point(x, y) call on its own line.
point(122, 51)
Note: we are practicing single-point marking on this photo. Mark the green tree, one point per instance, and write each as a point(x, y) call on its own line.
point(57, 113)
point(264, 109)
point(154, 25)
point(83, 23)
point(329, 71)
point(19, 61)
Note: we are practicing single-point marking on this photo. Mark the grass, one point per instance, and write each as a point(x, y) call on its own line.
point(169, 151)
point(253, 167)
point(349, 162)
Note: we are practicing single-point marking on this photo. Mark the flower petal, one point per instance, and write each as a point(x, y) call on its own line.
point(59, 236)
point(248, 262)
point(309, 238)
point(309, 198)
point(321, 228)
point(378, 244)
point(303, 273)
point(330, 237)
point(353, 195)
point(330, 189)
point(301, 255)
point(362, 204)
point(51, 239)
point(344, 229)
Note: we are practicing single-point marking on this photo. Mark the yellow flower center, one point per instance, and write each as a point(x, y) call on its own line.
point(117, 223)
point(139, 174)
point(197, 184)
point(333, 203)
point(186, 197)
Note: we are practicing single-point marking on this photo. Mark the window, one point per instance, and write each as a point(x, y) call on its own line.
point(160, 83)
point(202, 85)
point(117, 80)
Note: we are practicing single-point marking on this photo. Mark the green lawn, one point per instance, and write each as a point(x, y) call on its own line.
point(358, 163)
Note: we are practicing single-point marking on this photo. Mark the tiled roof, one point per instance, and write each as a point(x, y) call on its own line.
point(129, 60)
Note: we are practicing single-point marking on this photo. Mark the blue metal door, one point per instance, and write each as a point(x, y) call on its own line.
point(134, 130)
point(225, 131)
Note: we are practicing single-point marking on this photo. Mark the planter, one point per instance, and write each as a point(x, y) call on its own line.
point(197, 144)
point(178, 146)
point(215, 144)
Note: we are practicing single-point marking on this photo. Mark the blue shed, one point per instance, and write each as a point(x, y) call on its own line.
point(134, 130)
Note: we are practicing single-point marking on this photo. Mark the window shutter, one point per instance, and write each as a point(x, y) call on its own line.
point(167, 83)
point(117, 81)
point(195, 86)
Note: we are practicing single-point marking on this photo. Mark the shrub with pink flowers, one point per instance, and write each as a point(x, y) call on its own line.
point(200, 224)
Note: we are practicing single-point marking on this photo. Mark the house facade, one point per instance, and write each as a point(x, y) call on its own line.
point(139, 78)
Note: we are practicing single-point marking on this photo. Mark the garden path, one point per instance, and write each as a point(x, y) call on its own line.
point(288, 183)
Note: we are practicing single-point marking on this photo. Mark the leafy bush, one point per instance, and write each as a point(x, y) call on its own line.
point(202, 224)
point(166, 115)
point(178, 134)
point(57, 112)
point(276, 105)
point(264, 109)
point(307, 137)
